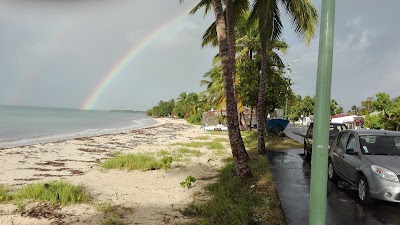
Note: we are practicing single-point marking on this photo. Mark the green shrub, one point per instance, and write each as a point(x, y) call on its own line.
point(55, 192)
point(132, 162)
point(166, 162)
point(195, 118)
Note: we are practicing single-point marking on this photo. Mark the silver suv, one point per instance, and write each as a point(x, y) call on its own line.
point(369, 160)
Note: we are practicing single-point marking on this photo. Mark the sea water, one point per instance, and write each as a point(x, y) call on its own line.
point(24, 125)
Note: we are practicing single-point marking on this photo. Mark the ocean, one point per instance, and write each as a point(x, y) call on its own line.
point(25, 125)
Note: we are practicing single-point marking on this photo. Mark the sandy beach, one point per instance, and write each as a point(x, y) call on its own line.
point(139, 197)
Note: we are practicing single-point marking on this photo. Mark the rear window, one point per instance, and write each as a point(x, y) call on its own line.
point(335, 128)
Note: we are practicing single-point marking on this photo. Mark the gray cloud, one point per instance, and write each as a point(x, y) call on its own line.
point(366, 53)
point(54, 53)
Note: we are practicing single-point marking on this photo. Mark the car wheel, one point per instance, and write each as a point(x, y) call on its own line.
point(363, 191)
point(332, 176)
point(307, 155)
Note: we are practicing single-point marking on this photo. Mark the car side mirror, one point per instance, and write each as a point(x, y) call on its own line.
point(351, 151)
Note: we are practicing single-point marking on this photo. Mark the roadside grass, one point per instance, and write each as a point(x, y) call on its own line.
point(251, 201)
point(55, 192)
point(137, 162)
point(276, 143)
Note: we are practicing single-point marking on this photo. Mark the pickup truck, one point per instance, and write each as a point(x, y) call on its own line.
point(334, 129)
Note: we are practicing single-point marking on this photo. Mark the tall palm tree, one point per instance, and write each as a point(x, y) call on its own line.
point(235, 139)
point(266, 14)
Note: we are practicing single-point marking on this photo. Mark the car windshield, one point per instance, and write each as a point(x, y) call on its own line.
point(380, 145)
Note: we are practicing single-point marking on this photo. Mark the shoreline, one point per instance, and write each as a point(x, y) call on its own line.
point(155, 197)
point(70, 136)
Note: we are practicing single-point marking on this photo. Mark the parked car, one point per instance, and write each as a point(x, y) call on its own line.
point(334, 129)
point(369, 160)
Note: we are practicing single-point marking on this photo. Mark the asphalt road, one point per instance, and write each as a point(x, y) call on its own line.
point(292, 178)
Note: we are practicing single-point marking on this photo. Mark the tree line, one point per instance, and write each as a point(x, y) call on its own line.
point(250, 35)
point(381, 112)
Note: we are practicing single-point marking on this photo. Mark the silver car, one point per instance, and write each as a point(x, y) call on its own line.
point(369, 160)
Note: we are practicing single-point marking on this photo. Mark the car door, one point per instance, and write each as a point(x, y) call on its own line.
point(351, 162)
point(308, 138)
point(337, 151)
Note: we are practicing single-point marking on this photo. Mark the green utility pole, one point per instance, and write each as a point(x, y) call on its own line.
point(286, 107)
point(319, 168)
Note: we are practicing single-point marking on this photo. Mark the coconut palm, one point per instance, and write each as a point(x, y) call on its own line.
point(267, 15)
point(235, 139)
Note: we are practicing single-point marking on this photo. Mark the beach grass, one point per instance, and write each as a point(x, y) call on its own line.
point(212, 145)
point(223, 133)
point(221, 139)
point(253, 201)
point(180, 154)
point(112, 213)
point(4, 195)
point(204, 138)
point(137, 162)
point(55, 192)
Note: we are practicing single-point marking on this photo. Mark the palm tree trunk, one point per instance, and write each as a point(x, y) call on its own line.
point(261, 98)
point(235, 139)
point(251, 118)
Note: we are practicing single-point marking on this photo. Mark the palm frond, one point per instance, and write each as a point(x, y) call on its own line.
point(210, 36)
point(206, 4)
point(304, 17)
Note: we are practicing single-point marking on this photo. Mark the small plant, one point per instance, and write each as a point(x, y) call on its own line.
point(166, 162)
point(188, 182)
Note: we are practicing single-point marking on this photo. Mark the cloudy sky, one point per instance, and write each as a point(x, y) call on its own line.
point(129, 54)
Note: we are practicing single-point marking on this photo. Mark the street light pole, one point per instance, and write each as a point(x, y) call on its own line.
point(287, 88)
point(286, 96)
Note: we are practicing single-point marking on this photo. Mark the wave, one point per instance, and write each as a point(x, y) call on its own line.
point(136, 124)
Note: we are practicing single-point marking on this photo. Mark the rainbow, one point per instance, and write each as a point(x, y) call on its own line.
point(128, 57)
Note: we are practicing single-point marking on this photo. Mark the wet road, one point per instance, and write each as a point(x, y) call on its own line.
point(292, 178)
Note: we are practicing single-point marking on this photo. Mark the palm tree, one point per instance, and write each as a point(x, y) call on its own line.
point(235, 139)
point(266, 14)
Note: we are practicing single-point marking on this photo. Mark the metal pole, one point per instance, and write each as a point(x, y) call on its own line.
point(286, 108)
point(319, 168)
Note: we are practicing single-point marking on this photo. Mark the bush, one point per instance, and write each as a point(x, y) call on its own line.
point(55, 192)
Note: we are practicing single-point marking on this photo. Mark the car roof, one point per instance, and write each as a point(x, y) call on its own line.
point(375, 132)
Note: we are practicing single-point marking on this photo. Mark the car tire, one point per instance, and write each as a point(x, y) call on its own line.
point(307, 155)
point(332, 176)
point(363, 191)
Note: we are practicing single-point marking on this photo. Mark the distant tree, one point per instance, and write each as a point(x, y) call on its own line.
point(393, 115)
point(354, 110)
point(162, 109)
point(307, 106)
point(295, 107)
point(373, 122)
point(381, 102)
point(366, 106)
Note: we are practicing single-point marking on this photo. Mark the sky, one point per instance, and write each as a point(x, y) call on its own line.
point(130, 54)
